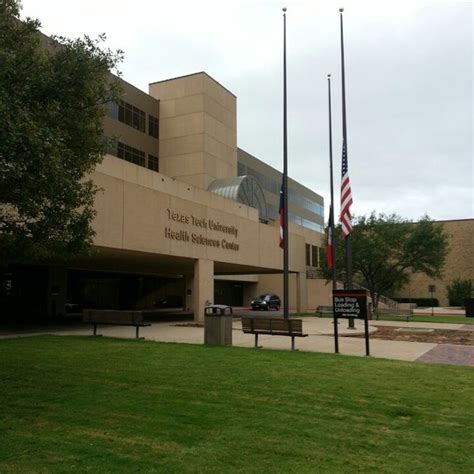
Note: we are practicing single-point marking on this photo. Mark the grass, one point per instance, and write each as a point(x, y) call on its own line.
point(110, 405)
point(415, 318)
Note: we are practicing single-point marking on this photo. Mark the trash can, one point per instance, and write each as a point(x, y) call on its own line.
point(469, 305)
point(218, 325)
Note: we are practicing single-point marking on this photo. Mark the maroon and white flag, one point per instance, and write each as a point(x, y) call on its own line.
point(329, 256)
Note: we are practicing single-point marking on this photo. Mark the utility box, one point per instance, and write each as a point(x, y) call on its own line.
point(218, 325)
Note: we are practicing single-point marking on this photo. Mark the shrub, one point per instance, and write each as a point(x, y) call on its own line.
point(458, 291)
point(427, 302)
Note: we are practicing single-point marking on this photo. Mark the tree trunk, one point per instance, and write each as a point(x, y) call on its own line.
point(375, 302)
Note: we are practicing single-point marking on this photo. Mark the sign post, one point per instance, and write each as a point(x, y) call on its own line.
point(431, 289)
point(352, 304)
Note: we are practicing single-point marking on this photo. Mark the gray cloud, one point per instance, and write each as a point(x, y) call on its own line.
point(408, 77)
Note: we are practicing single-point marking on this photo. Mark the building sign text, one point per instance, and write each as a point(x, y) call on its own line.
point(202, 223)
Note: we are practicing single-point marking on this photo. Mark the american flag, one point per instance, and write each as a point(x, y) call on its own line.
point(282, 216)
point(346, 195)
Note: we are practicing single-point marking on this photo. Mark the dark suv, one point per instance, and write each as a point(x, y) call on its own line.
point(266, 302)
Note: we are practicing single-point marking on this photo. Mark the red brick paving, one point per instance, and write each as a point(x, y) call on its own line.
point(449, 354)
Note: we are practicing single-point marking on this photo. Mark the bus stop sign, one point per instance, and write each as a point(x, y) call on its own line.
point(350, 303)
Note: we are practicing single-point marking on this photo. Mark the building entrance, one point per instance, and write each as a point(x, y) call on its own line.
point(123, 291)
point(229, 293)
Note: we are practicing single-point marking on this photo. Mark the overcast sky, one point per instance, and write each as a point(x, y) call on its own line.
point(409, 85)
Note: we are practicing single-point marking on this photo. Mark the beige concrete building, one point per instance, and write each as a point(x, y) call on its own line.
point(185, 217)
point(459, 264)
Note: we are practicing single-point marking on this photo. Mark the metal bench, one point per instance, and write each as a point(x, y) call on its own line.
point(324, 310)
point(114, 317)
point(273, 327)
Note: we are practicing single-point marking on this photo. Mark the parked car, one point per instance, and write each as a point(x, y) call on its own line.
point(266, 301)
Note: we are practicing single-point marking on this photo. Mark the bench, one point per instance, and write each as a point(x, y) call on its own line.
point(114, 317)
point(274, 327)
point(324, 310)
point(406, 313)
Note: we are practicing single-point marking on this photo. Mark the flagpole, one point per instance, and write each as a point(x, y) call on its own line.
point(331, 217)
point(348, 243)
point(285, 181)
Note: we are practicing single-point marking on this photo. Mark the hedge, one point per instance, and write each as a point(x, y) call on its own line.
point(422, 302)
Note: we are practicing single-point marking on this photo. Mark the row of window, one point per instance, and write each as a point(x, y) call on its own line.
point(134, 117)
point(273, 213)
point(310, 205)
point(133, 155)
point(312, 256)
point(273, 187)
point(296, 219)
point(302, 201)
point(128, 153)
point(312, 225)
point(131, 115)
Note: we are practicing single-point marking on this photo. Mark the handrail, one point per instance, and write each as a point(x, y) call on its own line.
point(383, 299)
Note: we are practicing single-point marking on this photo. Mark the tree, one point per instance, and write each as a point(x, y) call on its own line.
point(458, 291)
point(53, 94)
point(387, 249)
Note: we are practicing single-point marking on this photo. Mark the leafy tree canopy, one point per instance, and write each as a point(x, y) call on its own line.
point(386, 249)
point(53, 94)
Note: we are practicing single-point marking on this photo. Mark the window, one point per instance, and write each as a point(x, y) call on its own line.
point(315, 255)
point(131, 115)
point(312, 206)
point(153, 128)
point(153, 163)
point(295, 218)
point(130, 154)
point(308, 255)
point(312, 225)
point(300, 201)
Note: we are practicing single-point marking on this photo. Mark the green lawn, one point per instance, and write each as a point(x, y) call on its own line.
point(110, 405)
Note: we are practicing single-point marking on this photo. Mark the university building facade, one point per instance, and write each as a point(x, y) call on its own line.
point(184, 217)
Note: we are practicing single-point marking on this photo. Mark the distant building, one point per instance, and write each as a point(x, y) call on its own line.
point(459, 264)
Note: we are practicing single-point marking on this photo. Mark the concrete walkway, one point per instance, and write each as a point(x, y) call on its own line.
point(440, 311)
point(320, 339)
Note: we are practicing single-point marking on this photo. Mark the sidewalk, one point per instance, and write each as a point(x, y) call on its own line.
point(320, 339)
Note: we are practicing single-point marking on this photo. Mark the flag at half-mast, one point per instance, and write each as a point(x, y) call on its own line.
point(346, 195)
point(282, 216)
point(329, 256)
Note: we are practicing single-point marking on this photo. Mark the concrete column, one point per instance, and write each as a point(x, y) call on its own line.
point(203, 291)
point(189, 299)
point(301, 293)
point(250, 292)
